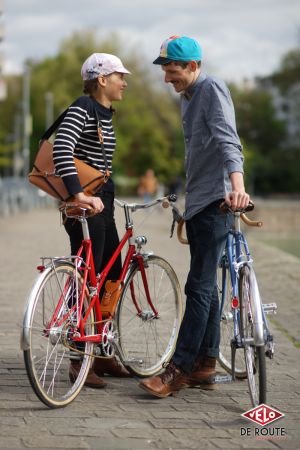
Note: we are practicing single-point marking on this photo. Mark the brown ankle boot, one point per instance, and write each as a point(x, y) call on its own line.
point(92, 380)
point(203, 373)
point(110, 366)
point(167, 383)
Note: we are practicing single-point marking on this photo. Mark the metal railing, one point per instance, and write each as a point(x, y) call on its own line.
point(16, 194)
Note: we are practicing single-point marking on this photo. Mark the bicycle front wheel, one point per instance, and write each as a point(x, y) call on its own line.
point(49, 323)
point(228, 325)
point(254, 355)
point(146, 342)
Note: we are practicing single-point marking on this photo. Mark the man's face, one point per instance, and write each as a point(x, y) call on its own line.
point(180, 77)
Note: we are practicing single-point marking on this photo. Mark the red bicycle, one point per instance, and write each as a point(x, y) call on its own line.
point(74, 313)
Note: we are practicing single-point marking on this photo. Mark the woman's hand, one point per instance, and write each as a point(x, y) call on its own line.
point(94, 202)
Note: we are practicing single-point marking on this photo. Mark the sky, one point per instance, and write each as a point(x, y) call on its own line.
point(240, 39)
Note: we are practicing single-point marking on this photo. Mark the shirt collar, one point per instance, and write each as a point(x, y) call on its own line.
point(188, 93)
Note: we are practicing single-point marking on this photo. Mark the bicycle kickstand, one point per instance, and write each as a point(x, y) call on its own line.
point(233, 350)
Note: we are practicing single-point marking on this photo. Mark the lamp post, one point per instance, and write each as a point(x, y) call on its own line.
point(49, 108)
point(27, 121)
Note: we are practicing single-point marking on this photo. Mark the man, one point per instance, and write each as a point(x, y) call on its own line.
point(214, 172)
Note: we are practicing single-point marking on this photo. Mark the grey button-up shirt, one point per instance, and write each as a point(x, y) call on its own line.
point(212, 147)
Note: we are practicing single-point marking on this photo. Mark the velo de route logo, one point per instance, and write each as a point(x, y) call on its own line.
point(263, 415)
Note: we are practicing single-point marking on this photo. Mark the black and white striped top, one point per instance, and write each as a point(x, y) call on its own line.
point(78, 136)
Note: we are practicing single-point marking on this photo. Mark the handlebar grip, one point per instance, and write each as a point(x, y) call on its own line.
point(224, 207)
point(251, 223)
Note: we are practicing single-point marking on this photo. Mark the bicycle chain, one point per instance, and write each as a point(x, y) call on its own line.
point(86, 353)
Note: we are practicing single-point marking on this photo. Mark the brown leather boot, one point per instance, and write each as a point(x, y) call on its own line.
point(203, 373)
point(167, 383)
point(92, 380)
point(110, 366)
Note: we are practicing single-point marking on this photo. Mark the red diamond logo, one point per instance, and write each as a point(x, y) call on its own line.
point(263, 414)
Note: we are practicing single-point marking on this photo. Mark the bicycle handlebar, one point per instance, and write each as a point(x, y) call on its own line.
point(252, 223)
point(79, 210)
point(165, 201)
point(177, 217)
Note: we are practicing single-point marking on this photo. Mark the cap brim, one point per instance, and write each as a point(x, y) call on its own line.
point(161, 61)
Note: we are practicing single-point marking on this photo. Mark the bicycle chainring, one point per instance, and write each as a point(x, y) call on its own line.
point(109, 338)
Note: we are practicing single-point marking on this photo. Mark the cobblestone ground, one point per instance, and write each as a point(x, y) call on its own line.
point(122, 416)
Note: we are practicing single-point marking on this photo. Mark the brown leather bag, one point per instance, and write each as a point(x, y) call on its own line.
point(113, 290)
point(44, 176)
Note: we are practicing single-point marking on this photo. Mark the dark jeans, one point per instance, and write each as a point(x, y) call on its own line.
point(103, 233)
point(199, 332)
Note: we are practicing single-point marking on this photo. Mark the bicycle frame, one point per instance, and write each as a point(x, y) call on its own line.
point(237, 255)
point(96, 282)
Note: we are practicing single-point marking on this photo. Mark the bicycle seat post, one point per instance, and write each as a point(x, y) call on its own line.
point(85, 228)
point(128, 219)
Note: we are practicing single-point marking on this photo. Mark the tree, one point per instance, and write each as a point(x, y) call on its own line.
point(261, 132)
point(146, 122)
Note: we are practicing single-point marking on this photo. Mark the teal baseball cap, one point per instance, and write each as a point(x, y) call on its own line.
point(179, 48)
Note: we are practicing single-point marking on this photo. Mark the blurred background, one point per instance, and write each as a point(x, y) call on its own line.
point(254, 46)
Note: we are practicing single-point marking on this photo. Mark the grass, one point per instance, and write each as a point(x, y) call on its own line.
point(284, 331)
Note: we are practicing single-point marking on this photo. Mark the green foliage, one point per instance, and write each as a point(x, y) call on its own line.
point(262, 134)
point(147, 121)
point(289, 70)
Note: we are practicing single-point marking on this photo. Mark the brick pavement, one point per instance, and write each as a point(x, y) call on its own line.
point(122, 416)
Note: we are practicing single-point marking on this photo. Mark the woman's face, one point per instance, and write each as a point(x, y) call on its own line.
point(115, 83)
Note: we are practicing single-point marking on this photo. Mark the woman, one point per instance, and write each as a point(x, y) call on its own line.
point(103, 82)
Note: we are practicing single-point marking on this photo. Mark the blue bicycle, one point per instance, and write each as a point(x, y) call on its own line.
point(245, 334)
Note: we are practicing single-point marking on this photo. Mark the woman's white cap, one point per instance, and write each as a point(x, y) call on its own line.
point(101, 64)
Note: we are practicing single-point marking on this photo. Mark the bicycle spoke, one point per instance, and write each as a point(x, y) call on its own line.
point(53, 312)
point(147, 338)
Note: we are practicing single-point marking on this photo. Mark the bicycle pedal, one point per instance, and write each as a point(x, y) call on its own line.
point(270, 308)
point(133, 361)
point(223, 379)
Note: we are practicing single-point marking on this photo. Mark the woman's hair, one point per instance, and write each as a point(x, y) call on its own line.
point(90, 86)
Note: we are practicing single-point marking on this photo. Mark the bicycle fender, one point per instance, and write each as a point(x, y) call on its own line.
point(257, 309)
point(24, 338)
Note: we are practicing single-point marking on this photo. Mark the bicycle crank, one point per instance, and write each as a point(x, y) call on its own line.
point(109, 338)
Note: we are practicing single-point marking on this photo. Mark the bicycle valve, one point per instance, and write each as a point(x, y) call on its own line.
point(165, 204)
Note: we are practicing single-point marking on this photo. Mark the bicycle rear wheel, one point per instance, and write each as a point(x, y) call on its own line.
point(227, 326)
point(254, 354)
point(146, 342)
point(49, 323)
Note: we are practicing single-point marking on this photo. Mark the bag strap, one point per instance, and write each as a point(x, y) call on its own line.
point(59, 120)
point(54, 126)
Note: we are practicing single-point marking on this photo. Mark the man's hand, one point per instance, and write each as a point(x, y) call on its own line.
point(94, 202)
point(237, 198)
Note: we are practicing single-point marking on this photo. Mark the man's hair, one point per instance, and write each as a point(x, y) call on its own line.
point(183, 64)
point(90, 86)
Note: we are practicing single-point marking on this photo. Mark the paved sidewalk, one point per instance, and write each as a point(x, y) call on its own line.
point(122, 416)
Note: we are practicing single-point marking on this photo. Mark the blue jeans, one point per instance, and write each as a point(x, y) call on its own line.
point(199, 332)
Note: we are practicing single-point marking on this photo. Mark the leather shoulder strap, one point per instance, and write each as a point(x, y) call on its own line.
point(54, 126)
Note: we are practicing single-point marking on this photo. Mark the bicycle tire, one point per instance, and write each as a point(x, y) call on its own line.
point(227, 327)
point(47, 354)
point(146, 342)
point(254, 354)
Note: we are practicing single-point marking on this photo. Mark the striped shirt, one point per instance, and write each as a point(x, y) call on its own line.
point(77, 136)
